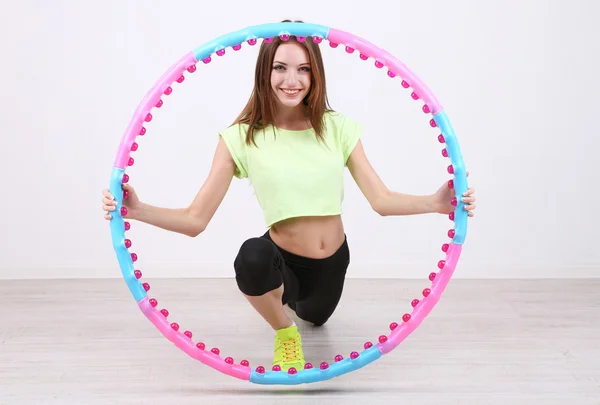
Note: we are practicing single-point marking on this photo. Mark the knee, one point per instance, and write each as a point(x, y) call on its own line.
point(317, 319)
point(254, 257)
point(253, 267)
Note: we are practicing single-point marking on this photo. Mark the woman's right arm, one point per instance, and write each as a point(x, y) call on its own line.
point(193, 220)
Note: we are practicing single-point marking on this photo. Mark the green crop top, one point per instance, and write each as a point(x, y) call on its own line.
point(292, 172)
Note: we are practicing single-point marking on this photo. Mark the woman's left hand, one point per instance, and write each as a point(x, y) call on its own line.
point(443, 197)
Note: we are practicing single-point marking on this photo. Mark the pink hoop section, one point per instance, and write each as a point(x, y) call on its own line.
point(425, 306)
point(150, 100)
point(386, 59)
point(187, 345)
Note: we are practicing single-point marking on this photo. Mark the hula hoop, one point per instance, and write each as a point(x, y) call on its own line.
point(420, 307)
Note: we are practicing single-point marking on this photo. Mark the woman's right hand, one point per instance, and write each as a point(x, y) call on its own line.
point(131, 202)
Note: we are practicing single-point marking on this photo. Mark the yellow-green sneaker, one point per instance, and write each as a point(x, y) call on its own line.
point(288, 349)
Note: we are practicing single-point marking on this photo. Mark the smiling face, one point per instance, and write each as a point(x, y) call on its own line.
point(291, 75)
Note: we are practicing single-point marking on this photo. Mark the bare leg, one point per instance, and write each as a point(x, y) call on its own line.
point(270, 308)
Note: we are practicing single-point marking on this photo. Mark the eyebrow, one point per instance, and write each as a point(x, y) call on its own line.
point(283, 63)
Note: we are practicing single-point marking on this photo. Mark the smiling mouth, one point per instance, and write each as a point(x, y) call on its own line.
point(290, 92)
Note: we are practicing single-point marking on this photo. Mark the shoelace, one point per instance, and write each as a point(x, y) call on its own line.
point(290, 350)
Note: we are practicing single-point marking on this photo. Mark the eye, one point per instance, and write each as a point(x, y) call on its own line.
point(305, 68)
point(277, 67)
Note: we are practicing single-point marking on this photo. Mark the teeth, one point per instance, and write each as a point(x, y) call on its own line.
point(290, 91)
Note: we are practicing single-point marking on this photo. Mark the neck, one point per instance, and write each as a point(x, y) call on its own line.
point(291, 118)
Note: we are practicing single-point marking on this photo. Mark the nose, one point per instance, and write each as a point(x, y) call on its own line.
point(291, 78)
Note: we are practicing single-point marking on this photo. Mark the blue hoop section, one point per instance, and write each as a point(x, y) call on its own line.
point(260, 31)
point(316, 374)
point(117, 231)
point(460, 175)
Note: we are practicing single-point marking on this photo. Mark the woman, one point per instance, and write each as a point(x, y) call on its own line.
point(294, 149)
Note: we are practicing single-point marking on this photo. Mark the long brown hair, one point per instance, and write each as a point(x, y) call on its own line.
point(259, 112)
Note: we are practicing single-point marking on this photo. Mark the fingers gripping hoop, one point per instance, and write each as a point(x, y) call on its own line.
point(438, 279)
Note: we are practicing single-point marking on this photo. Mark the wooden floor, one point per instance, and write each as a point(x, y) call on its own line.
point(85, 342)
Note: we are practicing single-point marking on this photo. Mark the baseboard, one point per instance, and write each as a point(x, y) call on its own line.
point(356, 271)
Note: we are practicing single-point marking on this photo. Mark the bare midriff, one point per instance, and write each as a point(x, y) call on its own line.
point(313, 237)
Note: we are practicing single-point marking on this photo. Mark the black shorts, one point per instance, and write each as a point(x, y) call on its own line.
point(312, 287)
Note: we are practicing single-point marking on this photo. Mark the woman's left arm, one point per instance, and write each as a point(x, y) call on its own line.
point(386, 202)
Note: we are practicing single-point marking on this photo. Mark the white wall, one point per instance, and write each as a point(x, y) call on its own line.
point(518, 79)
